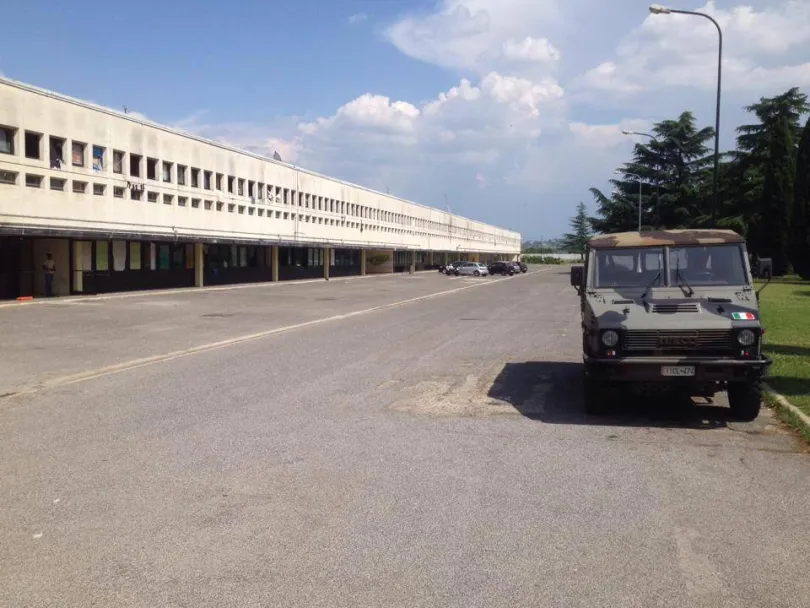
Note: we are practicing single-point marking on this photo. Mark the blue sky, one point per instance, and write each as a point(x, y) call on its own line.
point(509, 109)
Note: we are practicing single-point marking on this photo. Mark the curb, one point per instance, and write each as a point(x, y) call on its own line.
point(800, 419)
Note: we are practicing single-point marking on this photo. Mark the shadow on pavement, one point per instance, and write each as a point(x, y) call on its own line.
point(551, 392)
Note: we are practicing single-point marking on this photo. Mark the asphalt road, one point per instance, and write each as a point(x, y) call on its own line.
point(327, 445)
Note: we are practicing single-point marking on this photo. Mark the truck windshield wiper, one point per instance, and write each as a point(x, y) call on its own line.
point(650, 286)
point(679, 277)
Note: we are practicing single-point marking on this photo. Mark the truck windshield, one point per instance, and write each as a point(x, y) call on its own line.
point(629, 267)
point(708, 265)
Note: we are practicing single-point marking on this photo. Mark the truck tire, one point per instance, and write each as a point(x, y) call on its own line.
point(595, 402)
point(745, 399)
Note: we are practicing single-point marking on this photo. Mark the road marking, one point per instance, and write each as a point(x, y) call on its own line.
point(202, 348)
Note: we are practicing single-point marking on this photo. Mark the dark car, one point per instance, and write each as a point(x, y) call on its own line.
point(502, 268)
point(523, 266)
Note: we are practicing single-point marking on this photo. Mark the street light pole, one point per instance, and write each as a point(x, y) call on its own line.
point(657, 192)
point(657, 9)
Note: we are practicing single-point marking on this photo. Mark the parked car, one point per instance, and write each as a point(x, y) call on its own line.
point(502, 268)
point(449, 267)
point(471, 268)
point(523, 266)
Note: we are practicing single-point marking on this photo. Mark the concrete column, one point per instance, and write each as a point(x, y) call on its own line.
point(274, 263)
point(413, 262)
point(78, 277)
point(363, 262)
point(446, 258)
point(326, 263)
point(199, 263)
point(430, 258)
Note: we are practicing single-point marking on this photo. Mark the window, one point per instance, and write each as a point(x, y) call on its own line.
point(306, 201)
point(195, 203)
point(79, 187)
point(98, 189)
point(251, 210)
point(32, 145)
point(261, 212)
point(57, 184)
point(219, 181)
point(56, 145)
point(219, 206)
point(98, 158)
point(195, 178)
point(181, 175)
point(278, 215)
point(241, 187)
point(135, 165)
point(286, 215)
point(209, 205)
point(207, 180)
point(260, 191)
point(134, 256)
point(118, 161)
point(77, 153)
point(250, 188)
point(168, 199)
point(7, 140)
point(102, 255)
point(286, 196)
point(230, 183)
point(709, 265)
point(231, 207)
point(241, 209)
point(152, 197)
point(167, 172)
point(151, 168)
point(136, 195)
point(33, 181)
point(181, 201)
point(118, 192)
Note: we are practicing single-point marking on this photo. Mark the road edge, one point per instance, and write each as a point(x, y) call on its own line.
point(788, 412)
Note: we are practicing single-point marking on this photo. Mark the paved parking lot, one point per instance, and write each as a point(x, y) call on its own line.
point(397, 441)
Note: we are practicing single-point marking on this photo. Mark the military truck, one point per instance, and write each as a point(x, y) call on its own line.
point(670, 312)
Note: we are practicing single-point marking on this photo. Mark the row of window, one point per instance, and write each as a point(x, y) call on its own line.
point(194, 177)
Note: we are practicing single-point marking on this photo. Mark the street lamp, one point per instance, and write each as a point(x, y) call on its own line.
point(657, 9)
point(657, 193)
point(617, 172)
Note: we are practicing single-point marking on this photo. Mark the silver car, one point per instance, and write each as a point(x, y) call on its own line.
point(471, 269)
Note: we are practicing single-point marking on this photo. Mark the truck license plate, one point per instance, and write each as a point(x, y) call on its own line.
point(678, 370)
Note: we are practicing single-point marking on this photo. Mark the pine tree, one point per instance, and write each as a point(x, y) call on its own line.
point(751, 157)
point(777, 198)
point(577, 241)
point(800, 221)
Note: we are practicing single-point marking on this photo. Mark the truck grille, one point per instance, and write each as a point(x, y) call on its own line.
point(692, 341)
point(674, 308)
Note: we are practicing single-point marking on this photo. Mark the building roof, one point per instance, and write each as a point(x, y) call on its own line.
point(660, 238)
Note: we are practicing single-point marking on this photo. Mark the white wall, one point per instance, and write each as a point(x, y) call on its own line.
point(394, 222)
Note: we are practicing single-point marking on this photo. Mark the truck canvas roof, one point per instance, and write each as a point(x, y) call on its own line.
point(662, 238)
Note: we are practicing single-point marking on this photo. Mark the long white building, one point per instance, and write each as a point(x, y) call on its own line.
point(121, 203)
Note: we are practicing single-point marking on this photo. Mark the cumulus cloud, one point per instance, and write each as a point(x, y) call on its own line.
point(680, 51)
point(531, 49)
point(357, 18)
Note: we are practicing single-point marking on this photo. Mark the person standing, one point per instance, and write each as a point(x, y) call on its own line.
point(50, 270)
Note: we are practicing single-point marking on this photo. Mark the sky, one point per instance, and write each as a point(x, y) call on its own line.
point(506, 111)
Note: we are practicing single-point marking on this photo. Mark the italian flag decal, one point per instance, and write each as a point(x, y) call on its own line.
point(743, 316)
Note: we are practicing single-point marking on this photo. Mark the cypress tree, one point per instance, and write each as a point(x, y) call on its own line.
point(777, 198)
point(800, 224)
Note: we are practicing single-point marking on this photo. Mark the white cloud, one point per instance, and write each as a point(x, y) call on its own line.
point(680, 51)
point(531, 49)
point(357, 18)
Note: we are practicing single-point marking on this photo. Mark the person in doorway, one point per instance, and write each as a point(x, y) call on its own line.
point(50, 270)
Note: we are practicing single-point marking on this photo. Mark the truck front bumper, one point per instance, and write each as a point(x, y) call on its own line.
point(652, 369)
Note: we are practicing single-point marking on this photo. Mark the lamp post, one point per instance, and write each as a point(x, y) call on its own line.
point(657, 9)
point(657, 193)
point(617, 172)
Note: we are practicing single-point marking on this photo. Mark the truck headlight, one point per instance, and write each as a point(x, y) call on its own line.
point(610, 338)
point(746, 337)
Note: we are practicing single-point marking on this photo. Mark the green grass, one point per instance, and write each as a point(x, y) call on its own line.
point(785, 310)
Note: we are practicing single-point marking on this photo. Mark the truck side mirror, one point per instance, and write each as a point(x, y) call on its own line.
point(577, 274)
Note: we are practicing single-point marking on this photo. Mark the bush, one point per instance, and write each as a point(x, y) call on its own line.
point(542, 259)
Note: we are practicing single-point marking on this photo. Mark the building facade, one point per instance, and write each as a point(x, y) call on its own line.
point(122, 204)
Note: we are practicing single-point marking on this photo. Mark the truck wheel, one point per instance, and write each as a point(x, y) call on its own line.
point(595, 402)
point(745, 399)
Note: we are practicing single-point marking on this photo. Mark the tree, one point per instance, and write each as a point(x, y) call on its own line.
point(752, 156)
point(673, 169)
point(576, 241)
point(800, 221)
point(777, 198)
